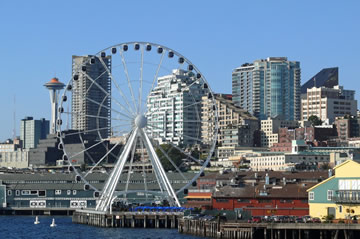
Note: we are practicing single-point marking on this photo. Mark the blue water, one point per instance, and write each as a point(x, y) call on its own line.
point(23, 227)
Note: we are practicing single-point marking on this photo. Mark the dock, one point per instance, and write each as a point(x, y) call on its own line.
point(242, 230)
point(128, 219)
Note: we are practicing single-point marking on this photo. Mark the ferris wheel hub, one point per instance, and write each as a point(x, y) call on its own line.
point(140, 121)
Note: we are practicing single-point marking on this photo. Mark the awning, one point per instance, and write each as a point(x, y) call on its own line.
point(207, 197)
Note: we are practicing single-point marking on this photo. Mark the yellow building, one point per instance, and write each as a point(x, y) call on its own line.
point(339, 195)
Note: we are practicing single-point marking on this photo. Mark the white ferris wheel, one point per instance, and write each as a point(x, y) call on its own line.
point(132, 104)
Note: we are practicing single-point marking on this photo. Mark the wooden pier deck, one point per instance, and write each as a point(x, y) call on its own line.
point(238, 230)
point(128, 219)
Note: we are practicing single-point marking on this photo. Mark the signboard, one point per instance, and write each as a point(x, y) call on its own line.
point(37, 204)
point(78, 204)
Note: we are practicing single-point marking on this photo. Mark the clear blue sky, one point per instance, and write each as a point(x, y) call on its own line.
point(38, 39)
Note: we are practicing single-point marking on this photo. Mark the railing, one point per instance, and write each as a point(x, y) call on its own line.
point(339, 199)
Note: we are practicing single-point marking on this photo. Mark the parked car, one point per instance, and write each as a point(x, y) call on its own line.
point(307, 219)
point(255, 220)
point(299, 220)
point(315, 220)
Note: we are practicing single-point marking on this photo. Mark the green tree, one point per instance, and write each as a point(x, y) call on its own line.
point(82, 167)
point(314, 120)
point(174, 154)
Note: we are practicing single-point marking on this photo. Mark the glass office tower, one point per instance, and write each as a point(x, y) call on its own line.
point(268, 88)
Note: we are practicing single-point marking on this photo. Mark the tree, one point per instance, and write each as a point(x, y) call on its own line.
point(314, 120)
point(174, 154)
point(83, 167)
point(325, 166)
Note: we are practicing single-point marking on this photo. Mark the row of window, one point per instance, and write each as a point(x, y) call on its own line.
point(39, 193)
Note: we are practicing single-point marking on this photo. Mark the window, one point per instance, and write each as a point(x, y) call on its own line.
point(340, 209)
point(330, 194)
point(17, 192)
point(311, 195)
point(222, 200)
point(9, 192)
point(243, 200)
point(68, 192)
point(74, 192)
point(42, 193)
point(25, 192)
point(57, 192)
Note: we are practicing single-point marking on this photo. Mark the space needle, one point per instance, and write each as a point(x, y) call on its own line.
point(54, 86)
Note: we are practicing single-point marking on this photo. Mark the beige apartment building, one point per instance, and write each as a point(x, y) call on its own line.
point(278, 161)
point(269, 130)
point(229, 117)
point(328, 103)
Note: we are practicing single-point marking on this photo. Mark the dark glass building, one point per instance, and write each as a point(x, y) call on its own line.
point(327, 77)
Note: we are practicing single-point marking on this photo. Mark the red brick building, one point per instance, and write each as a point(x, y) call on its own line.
point(315, 135)
point(288, 199)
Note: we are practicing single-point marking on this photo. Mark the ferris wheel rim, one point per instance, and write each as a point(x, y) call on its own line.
point(195, 69)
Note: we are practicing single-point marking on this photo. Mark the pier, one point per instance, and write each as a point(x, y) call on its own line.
point(238, 230)
point(128, 219)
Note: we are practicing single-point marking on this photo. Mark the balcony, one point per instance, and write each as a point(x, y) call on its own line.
point(347, 197)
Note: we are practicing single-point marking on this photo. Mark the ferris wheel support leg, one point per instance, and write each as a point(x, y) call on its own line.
point(156, 170)
point(110, 185)
point(163, 177)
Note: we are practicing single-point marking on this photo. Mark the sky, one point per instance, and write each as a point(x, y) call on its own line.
point(38, 39)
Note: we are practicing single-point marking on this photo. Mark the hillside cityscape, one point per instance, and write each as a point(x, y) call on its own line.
point(280, 146)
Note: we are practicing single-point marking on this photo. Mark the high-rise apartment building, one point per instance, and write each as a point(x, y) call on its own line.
point(174, 109)
point(236, 125)
point(268, 88)
point(31, 131)
point(91, 88)
point(328, 103)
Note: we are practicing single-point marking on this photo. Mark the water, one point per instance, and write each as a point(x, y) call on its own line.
point(23, 227)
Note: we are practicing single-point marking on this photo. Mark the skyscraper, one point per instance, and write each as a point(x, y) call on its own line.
point(31, 131)
point(175, 108)
point(327, 77)
point(268, 88)
point(91, 91)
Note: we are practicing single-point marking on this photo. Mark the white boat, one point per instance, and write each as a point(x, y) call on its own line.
point(36, 220)
point(53, 223)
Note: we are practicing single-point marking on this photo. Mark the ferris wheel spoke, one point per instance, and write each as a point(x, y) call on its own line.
point(193, 104)
point(82, 151)
point(141, 79)
point(86, 152)
point(109, 108)
point(172, 162)
point(176, 133)
point(96, 116)
point(182, 151)
point(102, 158)
point(93, 130)
point(157, 71)
point(109, 95)
point(92, 82)
point(116, 84)
point(189, 86)
point(128, 78)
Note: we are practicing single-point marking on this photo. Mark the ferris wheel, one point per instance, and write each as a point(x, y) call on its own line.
point(132, 104)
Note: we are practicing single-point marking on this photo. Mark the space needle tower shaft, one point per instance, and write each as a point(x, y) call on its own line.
point(54, 86)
